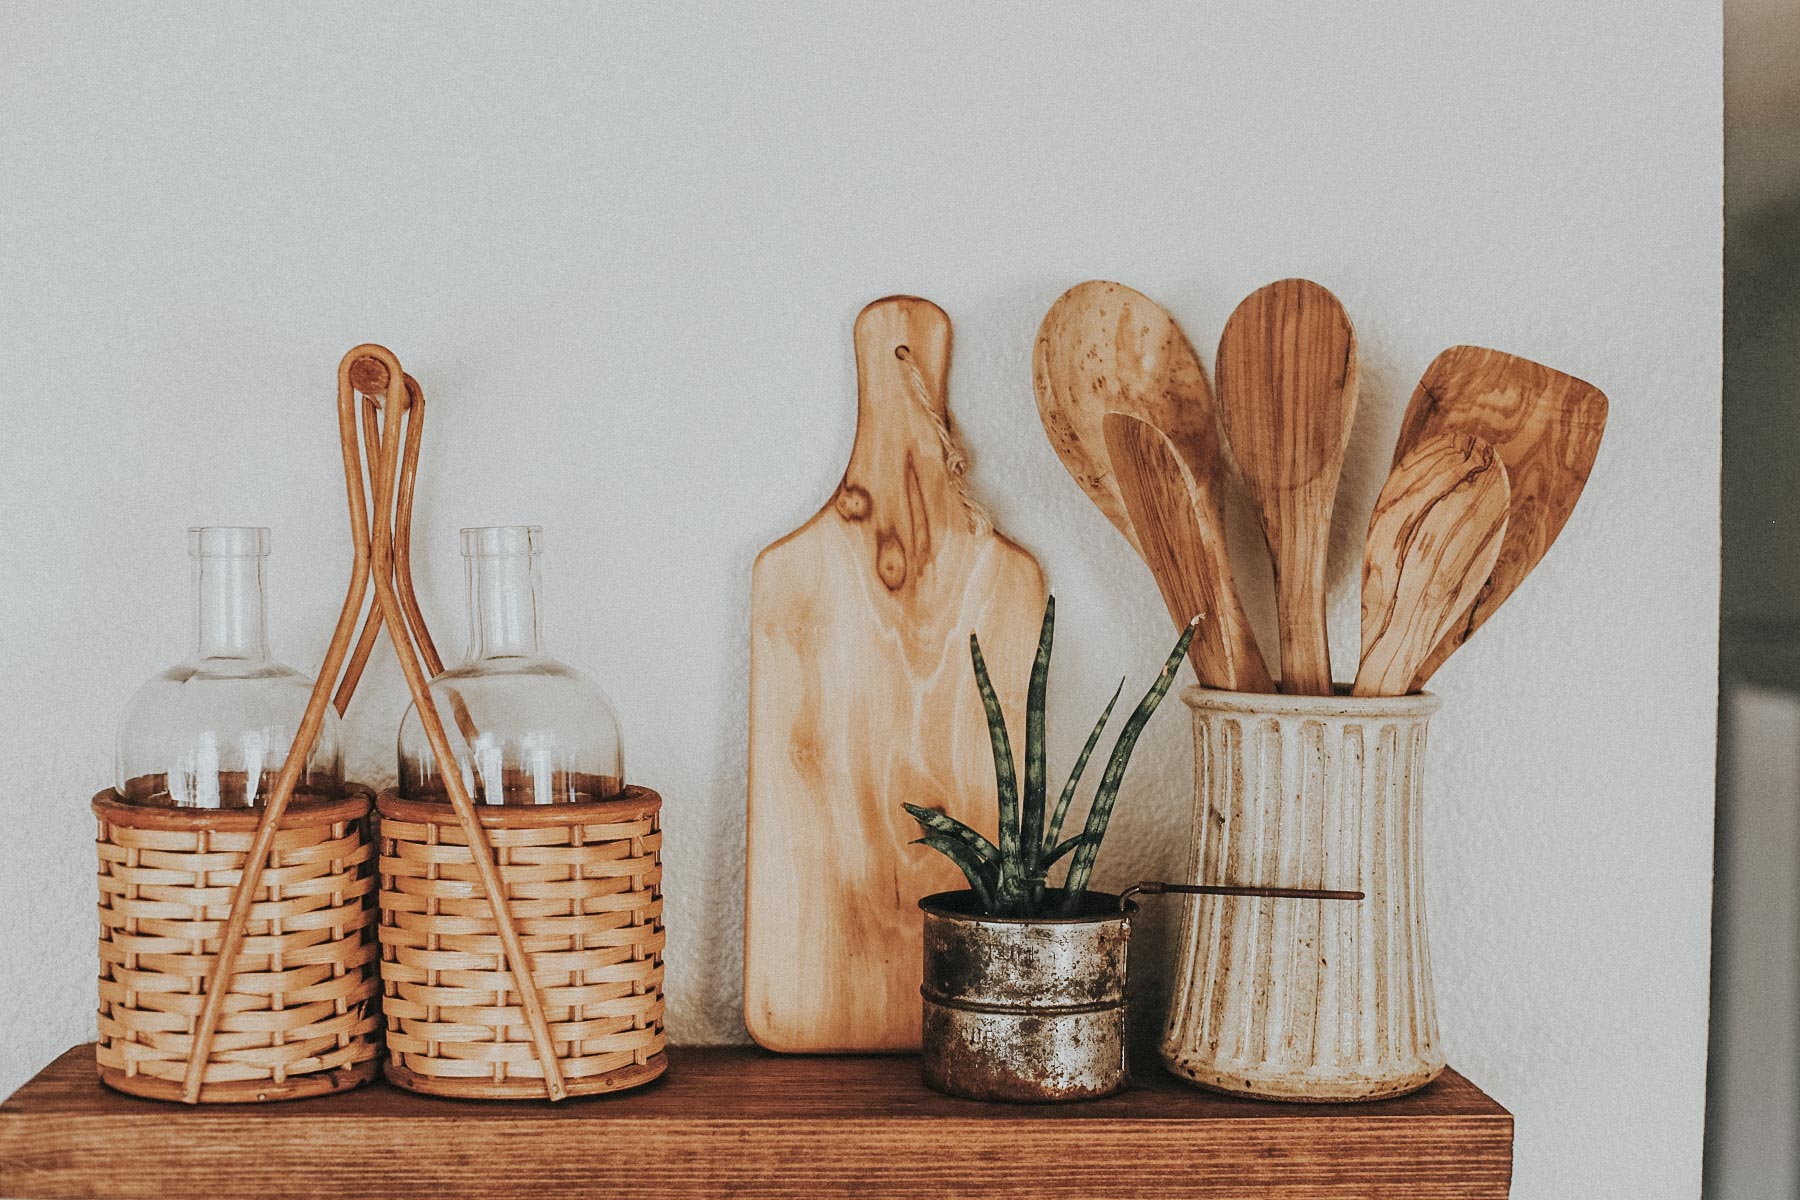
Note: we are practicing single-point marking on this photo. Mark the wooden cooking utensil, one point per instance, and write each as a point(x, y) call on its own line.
point(1287, 394)
point(1546, 427)
point(1187, 559)
point(1105, 348)
point(1433, 539)
point(861, 698)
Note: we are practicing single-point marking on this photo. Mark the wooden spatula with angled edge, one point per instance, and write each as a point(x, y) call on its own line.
point(1546, 427)
point(1286, 374)
point(1188, 561)
point(1433, 539)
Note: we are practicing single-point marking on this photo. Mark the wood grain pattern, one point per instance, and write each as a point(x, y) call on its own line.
point(1546, 427)
point(1287, 395)
point(1433, 539)
point(740, 1122)
point(1189, 560)
point(1104, 348)
point(861, 698)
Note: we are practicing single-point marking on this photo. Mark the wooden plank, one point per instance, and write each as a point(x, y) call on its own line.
point(743, 1122)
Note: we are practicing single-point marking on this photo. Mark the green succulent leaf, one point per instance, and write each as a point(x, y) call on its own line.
point(979, 874)
point(1068, 793)
point(1006, 781)
point(1050, 859)
point(1031, 821)
point(944, 825)
point(1081, 866)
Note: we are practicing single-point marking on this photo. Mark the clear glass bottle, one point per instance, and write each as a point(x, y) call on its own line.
point(525, 728)
point(214, 731)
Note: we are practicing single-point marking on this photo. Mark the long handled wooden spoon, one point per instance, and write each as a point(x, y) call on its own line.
point(1187, 559)
point(1435, 534)
point(1287, 394)
point(1546, 427)
point(1104, 348)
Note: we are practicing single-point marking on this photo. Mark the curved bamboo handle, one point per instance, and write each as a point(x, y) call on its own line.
point(387, 597)
point(414, 411)
point(382, 556)
point(231, 941)
point(403, 508)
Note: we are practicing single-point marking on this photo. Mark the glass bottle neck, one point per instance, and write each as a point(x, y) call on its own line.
point(230, 613)
point(503, 583)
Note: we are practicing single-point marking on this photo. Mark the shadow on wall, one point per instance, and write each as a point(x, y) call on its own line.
point(1753, 1088)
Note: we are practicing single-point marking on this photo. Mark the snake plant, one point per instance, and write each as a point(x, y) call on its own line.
point(1009, 879)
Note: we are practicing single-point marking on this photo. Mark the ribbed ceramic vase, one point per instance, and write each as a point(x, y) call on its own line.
point(1326, 1000)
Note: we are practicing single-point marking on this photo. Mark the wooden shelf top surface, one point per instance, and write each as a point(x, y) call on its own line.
point(734, 1121)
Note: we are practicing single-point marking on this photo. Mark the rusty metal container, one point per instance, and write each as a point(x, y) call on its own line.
point(1028, 1009)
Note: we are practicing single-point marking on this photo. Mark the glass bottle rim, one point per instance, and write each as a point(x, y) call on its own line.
point(228, 541)
point(488, 541)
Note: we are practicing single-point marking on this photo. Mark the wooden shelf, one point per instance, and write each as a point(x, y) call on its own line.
point(742, 1122)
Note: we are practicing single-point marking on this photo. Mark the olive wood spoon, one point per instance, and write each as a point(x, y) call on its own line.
point(1286, 374)
point(1546, 427)
point(1433, 539)
point(1104, 348)
point(1188, 561)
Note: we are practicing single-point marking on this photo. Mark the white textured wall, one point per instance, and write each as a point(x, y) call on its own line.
point(623, 249)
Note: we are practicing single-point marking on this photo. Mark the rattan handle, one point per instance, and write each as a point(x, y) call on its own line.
point(394, 615)
point(382, 542)
point(231, 940)
point(403, 507)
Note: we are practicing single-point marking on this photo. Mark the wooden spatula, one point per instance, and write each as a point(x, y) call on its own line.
point(1287, 394)
point(1546, 427)
point(1104, 348)
point(1187, 559)
point(1436, 532)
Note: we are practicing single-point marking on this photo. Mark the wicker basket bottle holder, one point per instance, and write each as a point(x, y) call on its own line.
point(238, 949)
point(583, 882)
point(521, 948)
point(300, 1015)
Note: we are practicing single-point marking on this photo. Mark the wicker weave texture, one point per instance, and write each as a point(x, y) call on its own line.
point(301, 1013)
point(584, 883)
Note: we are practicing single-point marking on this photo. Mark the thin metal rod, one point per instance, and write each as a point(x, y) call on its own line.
point(1152, 887)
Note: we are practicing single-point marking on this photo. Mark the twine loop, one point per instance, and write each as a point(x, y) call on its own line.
point(956, 458)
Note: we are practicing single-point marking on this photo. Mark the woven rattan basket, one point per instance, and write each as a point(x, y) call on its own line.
point(301, 1011)
point(584, 885)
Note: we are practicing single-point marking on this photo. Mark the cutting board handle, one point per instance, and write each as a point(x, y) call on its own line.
point(883, 383)
point(904, 481)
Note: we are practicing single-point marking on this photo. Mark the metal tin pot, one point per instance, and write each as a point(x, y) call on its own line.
point(1027, 1009)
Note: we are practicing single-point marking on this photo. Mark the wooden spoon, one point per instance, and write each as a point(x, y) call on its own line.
point(1103, 348)
point(1546, 427)
point(1187, 559)
point(1287, 394)
point(1433, 539)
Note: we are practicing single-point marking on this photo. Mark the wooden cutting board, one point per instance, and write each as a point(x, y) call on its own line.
point(862, 698)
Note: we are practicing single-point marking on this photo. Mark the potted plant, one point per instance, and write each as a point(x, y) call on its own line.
point(1024, 984)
